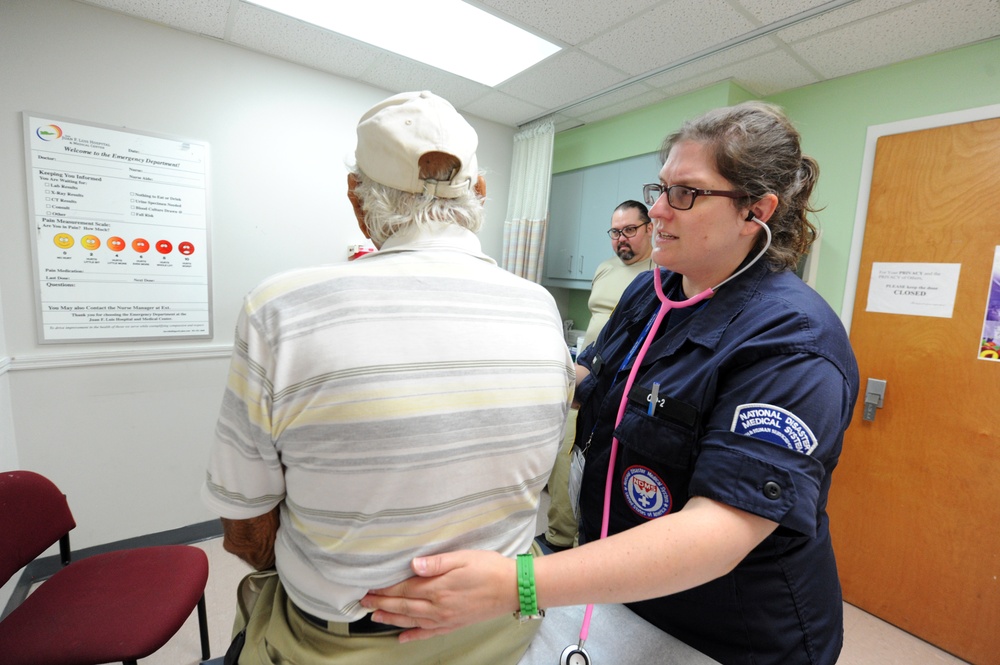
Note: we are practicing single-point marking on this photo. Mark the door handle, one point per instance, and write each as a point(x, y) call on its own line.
point(874, 397)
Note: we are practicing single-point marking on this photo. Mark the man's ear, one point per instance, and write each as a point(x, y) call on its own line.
point(359, 212)
point(480, 187)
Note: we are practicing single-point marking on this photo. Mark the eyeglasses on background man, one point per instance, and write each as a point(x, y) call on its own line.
point(627, 231)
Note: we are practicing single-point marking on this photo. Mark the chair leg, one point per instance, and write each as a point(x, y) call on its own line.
point(206, 651)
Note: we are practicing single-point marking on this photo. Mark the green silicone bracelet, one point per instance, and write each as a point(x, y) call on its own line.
point(526, 588)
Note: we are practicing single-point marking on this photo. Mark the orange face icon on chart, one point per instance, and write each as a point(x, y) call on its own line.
point(186, 248)
point(140, 245)
point(116, 244)
point(63, 240)
point(90, 242)
point(164, 246)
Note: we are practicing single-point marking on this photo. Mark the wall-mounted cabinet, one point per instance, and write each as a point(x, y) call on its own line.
point(580, 207)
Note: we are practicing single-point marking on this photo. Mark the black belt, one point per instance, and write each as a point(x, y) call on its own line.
point(363, 626)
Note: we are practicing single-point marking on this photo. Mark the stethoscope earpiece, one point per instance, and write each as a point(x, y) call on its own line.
point(574, 655)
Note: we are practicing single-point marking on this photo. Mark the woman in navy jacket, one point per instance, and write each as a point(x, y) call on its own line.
point(733, 424)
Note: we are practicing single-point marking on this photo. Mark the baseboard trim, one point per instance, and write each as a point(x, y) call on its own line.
point(45, 567)
point(124, 356)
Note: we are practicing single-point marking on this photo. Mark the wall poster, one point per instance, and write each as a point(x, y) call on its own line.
point(989, 347)
point(120, 232)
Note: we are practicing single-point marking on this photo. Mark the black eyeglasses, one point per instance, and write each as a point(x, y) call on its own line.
point(682, 198)
point(627, 231)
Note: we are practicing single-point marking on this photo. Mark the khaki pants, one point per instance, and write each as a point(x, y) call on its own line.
point(562, 527)
point(277, 633)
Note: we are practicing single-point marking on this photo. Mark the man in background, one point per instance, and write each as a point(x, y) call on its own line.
point(630, 240)
point(407, 403)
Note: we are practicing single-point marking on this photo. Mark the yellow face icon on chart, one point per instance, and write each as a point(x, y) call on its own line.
point(63, 240)
point(90, 242)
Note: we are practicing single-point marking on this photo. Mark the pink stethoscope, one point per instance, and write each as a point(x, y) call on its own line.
point(575, 654)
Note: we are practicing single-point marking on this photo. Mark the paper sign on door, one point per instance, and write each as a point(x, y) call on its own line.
point(918, 289)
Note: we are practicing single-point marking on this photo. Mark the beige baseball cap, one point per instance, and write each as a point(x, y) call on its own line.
point(395, 133)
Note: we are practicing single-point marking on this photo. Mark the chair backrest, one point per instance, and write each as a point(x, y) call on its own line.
point(34, 515)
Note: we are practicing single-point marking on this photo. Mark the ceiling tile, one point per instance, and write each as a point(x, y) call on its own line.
point(668, 33)
point(610, 99)
point(906, 33)
point(561, 79)
point(689, 85)
point(712, 63)
point(205, 17)
point(771, 73)
point(645, 99)
point(507, 110)
point(398, 74)
point(856, 11)
point(562, 122)
point(571, 23)
point(771, 11)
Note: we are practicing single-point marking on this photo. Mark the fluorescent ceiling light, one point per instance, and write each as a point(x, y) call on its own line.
point(448, 34)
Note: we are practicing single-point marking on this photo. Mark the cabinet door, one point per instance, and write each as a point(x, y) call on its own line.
point(600, 198)
point(581, 203)
point(636, 172)
point(562, 237)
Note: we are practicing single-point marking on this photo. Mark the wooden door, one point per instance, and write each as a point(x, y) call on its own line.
point(915, 501)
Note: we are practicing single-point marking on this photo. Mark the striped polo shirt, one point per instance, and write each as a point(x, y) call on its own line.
point(410, 402)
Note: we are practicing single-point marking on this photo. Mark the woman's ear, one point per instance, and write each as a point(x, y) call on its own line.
point(480, 187)
point(763, 208)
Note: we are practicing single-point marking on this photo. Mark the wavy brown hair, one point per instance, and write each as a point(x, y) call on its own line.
point(758, 151)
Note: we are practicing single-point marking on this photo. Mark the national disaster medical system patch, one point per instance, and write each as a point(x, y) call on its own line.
point(775, 425)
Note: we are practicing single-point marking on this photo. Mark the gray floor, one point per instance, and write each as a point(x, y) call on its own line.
point(868, 640)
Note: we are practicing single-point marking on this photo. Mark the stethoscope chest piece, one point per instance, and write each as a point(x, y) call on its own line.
point(574, 655)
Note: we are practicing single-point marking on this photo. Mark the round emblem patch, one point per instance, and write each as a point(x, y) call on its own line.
point(646, 494)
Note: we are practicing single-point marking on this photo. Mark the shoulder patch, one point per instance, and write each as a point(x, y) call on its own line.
point(775, 425)
point(645, 492)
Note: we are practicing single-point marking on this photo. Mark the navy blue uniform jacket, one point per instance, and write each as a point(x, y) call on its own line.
point(756, 388)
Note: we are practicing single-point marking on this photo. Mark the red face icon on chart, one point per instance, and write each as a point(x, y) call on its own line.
point(164, 246)
point(140, 245)
point(186, 248)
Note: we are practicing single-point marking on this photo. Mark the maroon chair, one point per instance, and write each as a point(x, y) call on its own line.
point(117, 606)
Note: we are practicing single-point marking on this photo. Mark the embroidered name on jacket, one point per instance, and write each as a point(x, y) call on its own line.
point(775, 425)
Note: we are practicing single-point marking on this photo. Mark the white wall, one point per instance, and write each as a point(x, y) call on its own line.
point(124, 427)
point(8, 452)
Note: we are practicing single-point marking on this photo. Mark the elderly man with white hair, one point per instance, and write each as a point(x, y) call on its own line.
point(407, 403)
